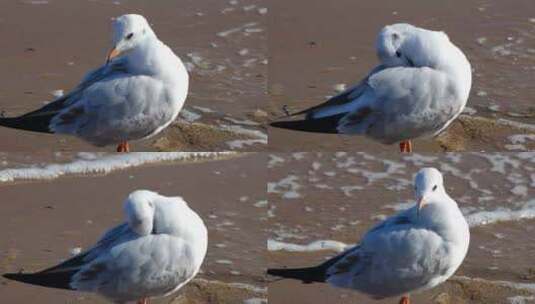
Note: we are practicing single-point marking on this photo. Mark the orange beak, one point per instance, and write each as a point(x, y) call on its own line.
point(113, 53)
point(420, 204)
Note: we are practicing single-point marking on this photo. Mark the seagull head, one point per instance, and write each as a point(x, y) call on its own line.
point(129, 31)
point(139, 208)
point(429, 186)
point(406, 45)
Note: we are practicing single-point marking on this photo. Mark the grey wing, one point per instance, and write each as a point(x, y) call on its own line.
point(342, 102)
point(325, 118)
point(406, 103)
point(118, 107)
point(40, 119)
point(346, 261)
point(110, 238)
point(60, 276)
point(402, 218)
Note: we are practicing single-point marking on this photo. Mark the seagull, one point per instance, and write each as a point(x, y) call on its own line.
point(420, 86)
point(414, 250)
point(136, 94)
point(159, 249)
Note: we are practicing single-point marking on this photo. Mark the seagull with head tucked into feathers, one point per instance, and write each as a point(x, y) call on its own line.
point(419, 88)
point(158, 249)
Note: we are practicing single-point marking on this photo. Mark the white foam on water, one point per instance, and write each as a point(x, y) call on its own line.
point(235, 29)
point(391, 168)
point(348, 162)
point(299, 155)
point(189, 116)
point(244, 286)
point(320, 245)
point(516, 124)
point(529, 156)
point(530, 287)
point(521, 138)
point(203, 109)
point(274, 161)
point(520, 299)
point(444, 167)
point(261, 204)
point(481, 218)
point(256, 301)
point(420, 160)
point(349, 189)
point(500, 162)
point(244, 131)
point(515, 147)
point(288, 186)
point(91, 163)
point(240, 143)
point(520, 190)
point(246, 122)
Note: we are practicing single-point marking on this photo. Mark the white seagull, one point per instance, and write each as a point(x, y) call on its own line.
point(420, 86)
point(135, 95)
point(414, 250)
point(159, 249)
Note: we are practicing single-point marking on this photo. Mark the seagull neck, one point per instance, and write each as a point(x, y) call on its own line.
point(446, 219)
point(460, 71)
point(153, 57)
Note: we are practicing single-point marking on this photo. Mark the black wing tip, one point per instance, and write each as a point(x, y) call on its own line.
point(12, 276)
point(327, 125)
point(305, 275)
point(35, 124)
point(60, 280)
point(20, 277)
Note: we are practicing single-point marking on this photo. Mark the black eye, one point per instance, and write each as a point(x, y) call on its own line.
point(434, 187)
point(398, 53)
point(129, 36)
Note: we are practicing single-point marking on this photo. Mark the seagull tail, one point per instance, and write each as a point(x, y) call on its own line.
point(59, 279)
point(328, 124)
point(35, 123)
point(306, 275)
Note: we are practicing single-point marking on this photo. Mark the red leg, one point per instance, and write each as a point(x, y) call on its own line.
point(143, 301)
point(123, 147)
point(405, 300)
point(405, 146)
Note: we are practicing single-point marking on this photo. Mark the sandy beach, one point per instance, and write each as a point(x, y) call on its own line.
point(328, 45)
point(50, 45)
point(44, 219)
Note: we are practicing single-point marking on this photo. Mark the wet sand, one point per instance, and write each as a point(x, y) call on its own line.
point(43, 220)
point(328, 196)
point(51, 46)
point(315, 45)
